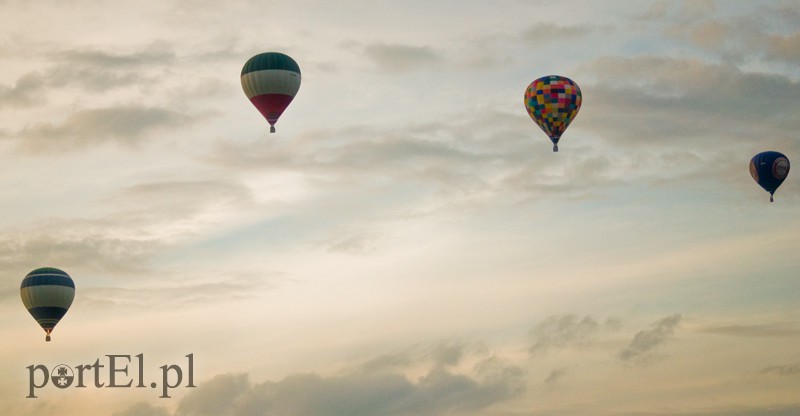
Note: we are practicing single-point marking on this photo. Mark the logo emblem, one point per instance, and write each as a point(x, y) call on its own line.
point(780, 168)
point(62, 376)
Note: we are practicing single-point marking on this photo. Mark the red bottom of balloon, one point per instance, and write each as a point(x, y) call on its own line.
point(271, 106)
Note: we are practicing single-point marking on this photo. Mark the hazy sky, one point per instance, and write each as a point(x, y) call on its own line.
point(406, 243)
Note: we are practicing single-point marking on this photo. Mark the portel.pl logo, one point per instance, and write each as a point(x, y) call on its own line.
point(119, 371)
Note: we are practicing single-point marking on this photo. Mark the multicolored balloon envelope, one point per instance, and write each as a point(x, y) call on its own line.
point(271, 80)
point(47, 293)
point(553, 102)
point(769, 169)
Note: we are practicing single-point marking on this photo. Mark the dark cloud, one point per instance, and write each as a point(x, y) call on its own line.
point(401, 58)
point(359, 394)
point(217, 396)
point(87, 252)
point(549, 32)
point(378, 386)
point(99, 70)
point(125, 125)
point(554, 377)
point(782, 370)
point(142, 409)
point(771, 34)
point(679, 11)
point(27, 91)
point(646, 341)
point(559, 331)
point(448, 354)
point(158, 53)
point(766, 410)
point(660, 101)
point(386, 362)
point(94, 70)
point(769, 330)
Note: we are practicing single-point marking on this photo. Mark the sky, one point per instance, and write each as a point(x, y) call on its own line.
point(407, 243)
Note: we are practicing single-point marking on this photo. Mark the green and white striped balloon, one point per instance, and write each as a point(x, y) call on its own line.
point(47, 293)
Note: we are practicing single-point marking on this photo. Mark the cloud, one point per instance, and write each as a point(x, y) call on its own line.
point(782, 370)
point(771, 330)
point(784, 48)
point(383, 385)
point(554, 377)
point(123, 124)
point(680, 11)
point(142, 409)
point(87, 252)
point(98, 70)
point(401, 58)
point(559, 331)
point(646, 341)
point(8, 290)
point(27, 91)
point(358, 394)
point(158, 53)
point(94, 70)
point(178, 294)
point(217, 396)
point(386, 362)
point(673, 102)
point(358, 242)
point(765, 410)
point(549, 32)
point(446, 354)
point(466, 161)
point(178, 201)
point(421, 158)
point(770, 35)
point(145, 220)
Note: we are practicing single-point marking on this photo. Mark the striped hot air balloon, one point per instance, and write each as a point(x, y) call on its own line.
point(47, 293)
point(270, 80)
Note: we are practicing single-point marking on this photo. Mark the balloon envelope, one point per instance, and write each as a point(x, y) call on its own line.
point(271, 80)
point(769, 169)
point(553, 102)
point(47, 293)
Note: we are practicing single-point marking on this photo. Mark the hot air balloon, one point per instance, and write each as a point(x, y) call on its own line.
point(769, 169)
point(271, 80)
point(47, 293)
point(553, 102)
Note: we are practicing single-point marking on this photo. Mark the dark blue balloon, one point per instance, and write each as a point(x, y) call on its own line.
point(769, 169)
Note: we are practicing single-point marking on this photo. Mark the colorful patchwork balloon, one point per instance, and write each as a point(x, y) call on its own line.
point(271, 80)
point(47, 293)
point(769, 169)
point(553, 102)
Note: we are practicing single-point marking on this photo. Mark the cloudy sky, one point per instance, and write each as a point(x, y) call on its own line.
point(406, 243)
